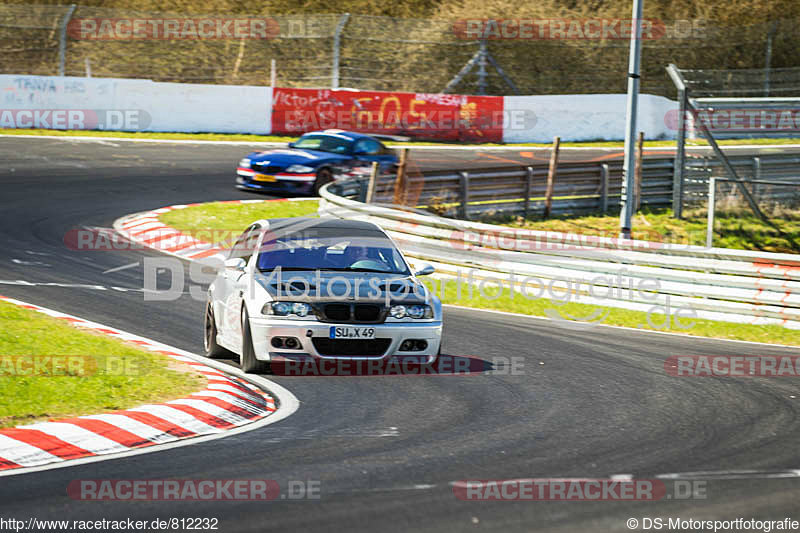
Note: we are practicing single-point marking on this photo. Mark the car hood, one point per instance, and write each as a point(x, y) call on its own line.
point(333, 286)
point(290, 156)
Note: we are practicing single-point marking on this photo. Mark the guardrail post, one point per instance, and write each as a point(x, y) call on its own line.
point(400, 182)
point(757, 171)
point(528, 184)
point(637, 174)
point(712, 192)
point(680, 156)
point(604, 187)
point(464, 182)
point(551, 176)
point(373, 176)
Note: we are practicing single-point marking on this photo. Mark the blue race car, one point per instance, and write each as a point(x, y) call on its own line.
point(313, 160)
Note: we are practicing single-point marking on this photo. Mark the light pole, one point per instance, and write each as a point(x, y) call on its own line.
point(626, 213)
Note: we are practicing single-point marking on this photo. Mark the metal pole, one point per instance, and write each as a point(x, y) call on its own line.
point(337, 43)
point(273, 73)
point(768, 61)
point(680, 152)
point(482, 69)
point(88, 68)
point(62, 40)
point(626, 213)
point(712, 191)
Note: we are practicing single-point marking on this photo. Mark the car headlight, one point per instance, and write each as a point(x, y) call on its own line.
point(298, 309)
point(413, 311)
point(299, 169)
point(244, 163)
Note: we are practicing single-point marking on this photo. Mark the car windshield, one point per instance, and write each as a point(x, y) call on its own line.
point(324, 143)
point(339, 250)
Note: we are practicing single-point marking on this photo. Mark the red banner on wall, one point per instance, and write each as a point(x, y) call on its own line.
point(429, 116)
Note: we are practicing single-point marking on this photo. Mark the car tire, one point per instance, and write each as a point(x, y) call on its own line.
point(248, 361)
point(212, 349)
point(324, 176)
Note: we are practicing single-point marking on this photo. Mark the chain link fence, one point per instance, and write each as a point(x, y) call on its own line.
point(380, 53)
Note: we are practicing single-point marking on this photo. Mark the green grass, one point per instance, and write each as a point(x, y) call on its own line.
point(595, 314)
point(255, 139)
point(739, 228)
point(123, 376)
point(232, 219)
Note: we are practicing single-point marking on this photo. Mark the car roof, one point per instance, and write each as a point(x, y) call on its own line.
point(328, 223)
point(352, 135)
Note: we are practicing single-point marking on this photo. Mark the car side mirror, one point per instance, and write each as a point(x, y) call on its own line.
point(235, 263)
point(427, 270)
point(291, 145)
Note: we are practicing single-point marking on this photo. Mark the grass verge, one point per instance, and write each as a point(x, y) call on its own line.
point(104, 375)
point(587, 315)
point(216, 216)
point(234, 218)
point(255, 139)
point(736, 228)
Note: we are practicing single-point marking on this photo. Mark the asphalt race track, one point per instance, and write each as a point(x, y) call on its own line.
point(588, 403)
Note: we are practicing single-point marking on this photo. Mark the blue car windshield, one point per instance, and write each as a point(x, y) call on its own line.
point(324, 143)
point(360, 252)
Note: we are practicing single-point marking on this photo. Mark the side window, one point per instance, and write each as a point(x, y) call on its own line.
point(245, 244)
point(368, 147)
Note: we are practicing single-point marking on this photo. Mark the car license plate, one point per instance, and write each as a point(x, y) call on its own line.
point(345, 332)
point(264, 177)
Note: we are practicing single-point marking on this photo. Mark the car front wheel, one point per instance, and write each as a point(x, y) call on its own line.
point(324, 176)
point(248, 360)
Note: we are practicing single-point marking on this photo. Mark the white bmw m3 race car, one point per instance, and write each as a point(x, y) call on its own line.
point(320, 288)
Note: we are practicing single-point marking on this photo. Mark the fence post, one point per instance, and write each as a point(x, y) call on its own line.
point(637, 174)
point(528, 184)
point(757, 171)
point(604, 187)
point(400, 182)
point(337, 45)
point(464, 182)
point(551, 176)
point(272, 73)
point(62, 39)
point(680, 157)
point(373, 176)
point(712, 192)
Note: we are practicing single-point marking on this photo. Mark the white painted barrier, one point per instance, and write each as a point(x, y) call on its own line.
point(184, 107)
point(586, 117)
point(714, 283)
point(134, 105)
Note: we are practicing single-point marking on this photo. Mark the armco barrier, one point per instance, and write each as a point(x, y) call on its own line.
point(716, 283)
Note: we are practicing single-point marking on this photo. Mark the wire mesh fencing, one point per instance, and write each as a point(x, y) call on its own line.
point(375, 52)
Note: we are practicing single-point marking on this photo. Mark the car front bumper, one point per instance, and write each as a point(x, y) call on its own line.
point(299, 184)
point(264, 329)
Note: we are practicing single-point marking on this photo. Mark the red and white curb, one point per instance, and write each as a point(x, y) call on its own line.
point(228, 404)
point(147, 230)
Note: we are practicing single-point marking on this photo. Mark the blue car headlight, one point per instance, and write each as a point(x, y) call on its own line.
point(244, 163)
point(412, 311)
point(299, 169)
point(288, 309)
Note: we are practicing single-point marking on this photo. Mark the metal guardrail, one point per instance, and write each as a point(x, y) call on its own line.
point(579, 187)
point(716, 283)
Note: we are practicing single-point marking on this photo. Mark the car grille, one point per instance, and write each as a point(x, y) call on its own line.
point(269, 169)
point(351, 347)
point(352, 313)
